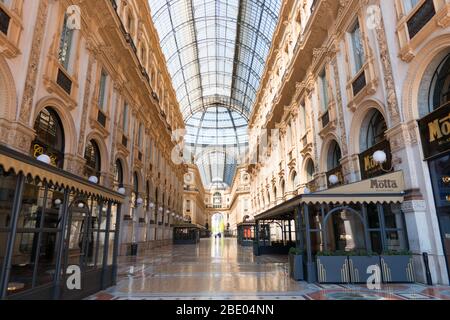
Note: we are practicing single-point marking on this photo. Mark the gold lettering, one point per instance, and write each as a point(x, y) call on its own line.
point(435, 131)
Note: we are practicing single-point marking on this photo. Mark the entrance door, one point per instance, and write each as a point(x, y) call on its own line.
point(440, 175)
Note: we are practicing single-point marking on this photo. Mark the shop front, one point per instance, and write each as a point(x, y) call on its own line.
point(186, 233)
point(435, 135)
point(54, 226)
point(343, 230)
point(246, 234)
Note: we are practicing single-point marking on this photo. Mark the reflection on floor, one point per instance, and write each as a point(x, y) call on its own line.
point(218, 269)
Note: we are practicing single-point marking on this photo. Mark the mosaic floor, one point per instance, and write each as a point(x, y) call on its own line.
point(218, 269)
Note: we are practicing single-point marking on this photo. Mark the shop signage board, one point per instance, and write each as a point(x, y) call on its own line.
point(369, 168)
point(435, 132)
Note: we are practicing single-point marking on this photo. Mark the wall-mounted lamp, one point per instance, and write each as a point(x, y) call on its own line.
point(380, 158)
point(333, 179)
point(44, 158)
point(93, 179)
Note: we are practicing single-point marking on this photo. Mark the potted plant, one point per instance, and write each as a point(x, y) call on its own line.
point(296, 264)
point(397, 266)
point(359, 263)
point(333, 267)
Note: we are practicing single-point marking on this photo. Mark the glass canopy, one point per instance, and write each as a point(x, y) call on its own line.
point(216, 51)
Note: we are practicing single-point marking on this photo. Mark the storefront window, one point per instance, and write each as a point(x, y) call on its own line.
point(34, 257)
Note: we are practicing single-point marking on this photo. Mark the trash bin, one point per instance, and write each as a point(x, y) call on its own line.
point(134, 249)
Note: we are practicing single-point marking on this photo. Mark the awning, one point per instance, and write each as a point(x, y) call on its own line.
point(388, 188)
point(17, 162)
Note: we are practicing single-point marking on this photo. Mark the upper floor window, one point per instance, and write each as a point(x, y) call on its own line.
point(65, 44)
point(310, 170)
point(409, 5)
point(357, 48)
point(102, 93)
point(125, 118)
point(217, 200)
point(6, 2)
point(323, 90)
point(140, 135)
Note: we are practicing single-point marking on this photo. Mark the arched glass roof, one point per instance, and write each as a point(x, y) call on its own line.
point(216, 51)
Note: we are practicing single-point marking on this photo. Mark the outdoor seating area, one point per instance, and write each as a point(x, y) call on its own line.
point(338, 239)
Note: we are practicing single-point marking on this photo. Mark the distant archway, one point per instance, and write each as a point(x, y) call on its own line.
point(218, 224)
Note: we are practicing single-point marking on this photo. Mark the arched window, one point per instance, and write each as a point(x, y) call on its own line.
point(217, 200)
point(375, 132)
point(118, 174)
point(282, 185)
point(294, 180)
point(334, 156)
point(439, 93)
point(49, 137)
point(93, 159)
point(310, 170)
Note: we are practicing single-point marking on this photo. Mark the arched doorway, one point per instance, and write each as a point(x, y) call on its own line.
point(218, 224)
point(434, 107)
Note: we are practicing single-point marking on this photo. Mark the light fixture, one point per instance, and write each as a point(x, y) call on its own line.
point(167, 211)
point(160, 209)
point(139, 201)
point(333, 179)
point(306, 190)
point(151, 205)
point(93, 179)
point(122, 190)
point(44, 158)
point(380, 158)
point(173, 214)
point(58, 202)
point(81, 205)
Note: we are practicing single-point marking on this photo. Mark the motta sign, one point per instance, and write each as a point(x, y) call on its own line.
point(383, 184)
point(435, 132)
point(369, 168)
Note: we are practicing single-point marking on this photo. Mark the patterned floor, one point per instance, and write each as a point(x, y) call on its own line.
point(218, 269)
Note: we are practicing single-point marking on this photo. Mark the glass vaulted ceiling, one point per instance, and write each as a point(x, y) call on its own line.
point(216, 51)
